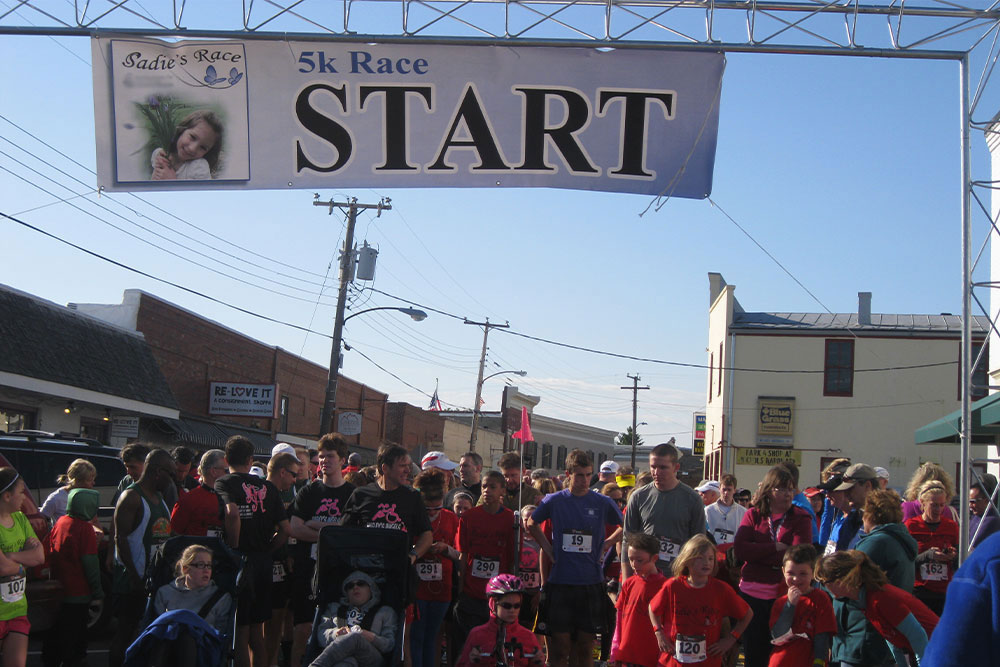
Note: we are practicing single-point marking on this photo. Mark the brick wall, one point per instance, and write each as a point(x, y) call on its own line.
point(418, 430)
point(193, 352)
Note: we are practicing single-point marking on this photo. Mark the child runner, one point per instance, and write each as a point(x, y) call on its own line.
point(802, 622)
point(634, 642)
point(688, 610)
point(502, 640)
point(904, 621)
point(434, 571)
point(486, 541)
point(19, 548)
point(529, 568)
point(73, 559)
point(193, 152)
point(574, 604)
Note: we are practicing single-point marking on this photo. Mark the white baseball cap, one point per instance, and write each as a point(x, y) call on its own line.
point(282, 448)
point(609, 466)
point(710, 485)
point(437, 460)
point(258, 471)
point(881, 472)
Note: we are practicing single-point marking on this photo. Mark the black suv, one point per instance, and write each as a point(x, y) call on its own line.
point(40, 458)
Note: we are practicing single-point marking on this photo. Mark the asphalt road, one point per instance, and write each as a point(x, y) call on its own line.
point(97, 651)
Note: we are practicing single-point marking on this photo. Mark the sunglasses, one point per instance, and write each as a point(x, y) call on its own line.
point(509, 605)
point(354, 584)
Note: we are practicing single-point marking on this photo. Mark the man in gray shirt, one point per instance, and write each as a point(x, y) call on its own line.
point(667, 509)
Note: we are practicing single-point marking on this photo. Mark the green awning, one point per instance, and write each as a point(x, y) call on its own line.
point(985, 424)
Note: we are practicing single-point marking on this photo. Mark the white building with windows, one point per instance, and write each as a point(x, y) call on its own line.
point(817, 386)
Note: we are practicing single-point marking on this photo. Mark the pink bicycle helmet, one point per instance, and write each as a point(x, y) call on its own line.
point(502, 584)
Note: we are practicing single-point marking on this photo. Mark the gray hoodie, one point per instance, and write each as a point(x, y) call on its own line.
point(176, 595)
point(383, 624)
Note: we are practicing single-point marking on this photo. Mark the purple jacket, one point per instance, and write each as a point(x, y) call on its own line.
point(755, 545)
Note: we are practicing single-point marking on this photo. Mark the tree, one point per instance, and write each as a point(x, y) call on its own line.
point(625, 439)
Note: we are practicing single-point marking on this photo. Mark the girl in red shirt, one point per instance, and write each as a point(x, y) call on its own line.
point(689, 608)
point(434, 571)
point(904, 621)
point(937, 541)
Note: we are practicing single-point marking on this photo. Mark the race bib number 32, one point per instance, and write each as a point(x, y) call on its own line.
point(669, 550)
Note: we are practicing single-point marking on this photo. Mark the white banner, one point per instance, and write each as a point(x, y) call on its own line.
point(276, 114)
point(237, 398)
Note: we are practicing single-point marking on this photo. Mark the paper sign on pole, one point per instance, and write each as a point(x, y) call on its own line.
point(279, 114)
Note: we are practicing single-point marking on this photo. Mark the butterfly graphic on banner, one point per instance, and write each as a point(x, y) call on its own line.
point(212, 77)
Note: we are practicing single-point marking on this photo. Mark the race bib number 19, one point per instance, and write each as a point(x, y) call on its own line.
point(12, 591)
point(580, 542)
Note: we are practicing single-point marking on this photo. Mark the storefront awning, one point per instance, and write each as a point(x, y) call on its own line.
point(947, 429)
point(213, 435)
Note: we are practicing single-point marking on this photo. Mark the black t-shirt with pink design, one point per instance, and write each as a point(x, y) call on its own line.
point(260, 508)
point(318, 502)
point(399, 509)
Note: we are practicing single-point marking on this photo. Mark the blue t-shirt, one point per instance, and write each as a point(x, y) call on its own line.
point(577, 534)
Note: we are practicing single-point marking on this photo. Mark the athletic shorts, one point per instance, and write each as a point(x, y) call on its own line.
point(254, 605)
point(280, 589)
point(567, 608)
point(302, 602)
point(19, 625)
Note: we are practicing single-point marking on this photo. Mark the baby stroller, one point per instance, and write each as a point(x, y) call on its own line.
point(379, 552)
point(227, 573)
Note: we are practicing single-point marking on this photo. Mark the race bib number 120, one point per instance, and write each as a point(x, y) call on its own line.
point(690, 649)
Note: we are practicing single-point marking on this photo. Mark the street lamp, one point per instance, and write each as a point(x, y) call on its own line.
point(479, 396)
point(329, 405)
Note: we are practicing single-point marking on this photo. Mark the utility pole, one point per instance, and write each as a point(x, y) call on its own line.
point(346, 275)
point(635, 388)
point(487, 325)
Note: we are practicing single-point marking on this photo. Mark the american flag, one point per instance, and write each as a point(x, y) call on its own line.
point(435, 405)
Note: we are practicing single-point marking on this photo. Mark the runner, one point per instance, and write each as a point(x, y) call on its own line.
point(574, 601)
point(802, 621)
point(320, 503)
point(19, 549)
point(668, 510)
point(634, 642)
point(724, 516)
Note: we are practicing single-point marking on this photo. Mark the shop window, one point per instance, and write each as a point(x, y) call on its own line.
point(560, 462)
point(283, 414)
point(547, 456)
point(838, 368)
point(980, 376)
point(16, 419)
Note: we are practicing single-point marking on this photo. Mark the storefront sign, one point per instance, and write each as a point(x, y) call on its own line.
point(759, 456)
point(289, 114)
point(774, 423)
point(124, 426)
point(698, 439)
point(349, 423)
point(239, 399)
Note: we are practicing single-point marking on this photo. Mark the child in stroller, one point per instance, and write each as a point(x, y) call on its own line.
point(190, 616)
point(356, 630)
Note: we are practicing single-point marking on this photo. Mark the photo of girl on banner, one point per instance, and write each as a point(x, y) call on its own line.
point(176, 119)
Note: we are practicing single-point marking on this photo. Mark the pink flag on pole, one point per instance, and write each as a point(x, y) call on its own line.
point(524, 433)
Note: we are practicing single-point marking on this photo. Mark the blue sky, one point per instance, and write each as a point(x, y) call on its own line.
point(845, 169)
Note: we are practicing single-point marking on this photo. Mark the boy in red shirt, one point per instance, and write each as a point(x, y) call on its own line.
point(73, 558)
point(802, 622)
point(634, 642)
point(486, 541)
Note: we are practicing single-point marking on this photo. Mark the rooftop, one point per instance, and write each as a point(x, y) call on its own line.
point(944, 323)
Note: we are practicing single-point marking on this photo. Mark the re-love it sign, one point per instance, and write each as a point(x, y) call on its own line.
point(240, 399)
point(293, 114)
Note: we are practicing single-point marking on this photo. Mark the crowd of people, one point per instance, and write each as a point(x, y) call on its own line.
point(517, 567)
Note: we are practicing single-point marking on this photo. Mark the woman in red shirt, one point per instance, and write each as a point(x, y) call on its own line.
point(937, 545)
point(904, 621)
point(770, 526)
point(434, 571)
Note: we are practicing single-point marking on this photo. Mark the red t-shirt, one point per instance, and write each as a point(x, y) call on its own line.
point(695, 614)
point(933, 575)
point(813, 616)
point(196, 511)
point(888, 607)
point(488, 541)
point(636, 641)
point(71, 539)
point(434, 572)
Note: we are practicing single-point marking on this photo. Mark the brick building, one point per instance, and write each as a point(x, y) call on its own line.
point(193, 352)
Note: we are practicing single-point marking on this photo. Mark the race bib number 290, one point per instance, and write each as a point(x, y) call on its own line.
point(485, 568)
